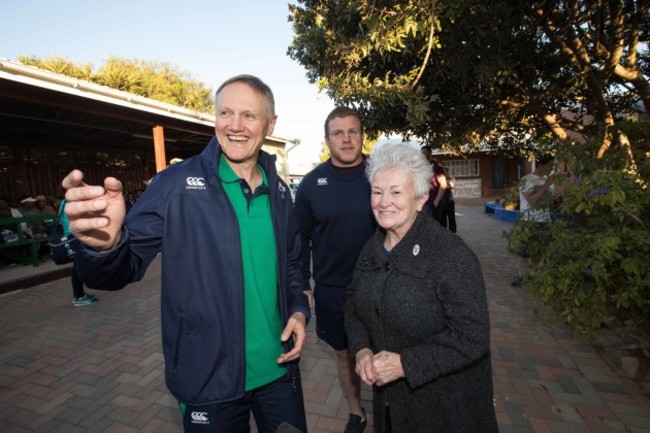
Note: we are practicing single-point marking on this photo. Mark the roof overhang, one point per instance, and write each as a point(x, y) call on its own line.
point(53, 110)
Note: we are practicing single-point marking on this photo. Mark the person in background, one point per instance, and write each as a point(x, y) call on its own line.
point(535, 190)
point(79, 297)
point(7, 232)
point(333, 211)
point(28, 208)
point(438, 186)
point(56, 203)
point(448, 217)
point(129, 201)
point(233, 308)
point(148, 181)
point(416, 311)
point(175, 161)
point(45, 205)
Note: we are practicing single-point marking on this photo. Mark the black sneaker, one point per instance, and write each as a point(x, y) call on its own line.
point(356, 424)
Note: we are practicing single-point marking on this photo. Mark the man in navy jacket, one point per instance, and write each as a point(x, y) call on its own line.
point(233, 309)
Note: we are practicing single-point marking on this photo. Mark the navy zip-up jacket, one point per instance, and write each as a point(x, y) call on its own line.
point(186, 215)
point(334, 216)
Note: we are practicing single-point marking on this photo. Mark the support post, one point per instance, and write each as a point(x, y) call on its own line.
point(159, 148)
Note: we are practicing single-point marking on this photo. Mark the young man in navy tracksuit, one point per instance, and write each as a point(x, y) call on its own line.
point(333, 212)
point(233, 308)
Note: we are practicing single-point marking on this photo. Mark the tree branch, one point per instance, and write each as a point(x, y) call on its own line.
point(429, 47)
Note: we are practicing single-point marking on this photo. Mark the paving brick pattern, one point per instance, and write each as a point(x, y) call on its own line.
point(99, 368)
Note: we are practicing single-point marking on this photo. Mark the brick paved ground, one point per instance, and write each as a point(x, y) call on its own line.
point(99, 368)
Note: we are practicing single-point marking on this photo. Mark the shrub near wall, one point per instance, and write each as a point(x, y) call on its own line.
point(595, 261)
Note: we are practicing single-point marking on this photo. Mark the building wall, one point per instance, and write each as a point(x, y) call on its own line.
point(278, 148)
point(29, 170)
point(490, 181)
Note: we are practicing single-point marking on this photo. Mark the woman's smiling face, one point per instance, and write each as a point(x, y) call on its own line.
point(393, 200)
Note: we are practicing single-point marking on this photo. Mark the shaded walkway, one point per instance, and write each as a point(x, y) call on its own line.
point(99, 368)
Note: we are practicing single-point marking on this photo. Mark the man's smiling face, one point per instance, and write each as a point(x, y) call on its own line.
point(243, 121)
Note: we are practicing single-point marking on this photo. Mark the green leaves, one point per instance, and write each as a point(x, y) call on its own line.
point(504, 74)
point(155, 80)
point(595, 259)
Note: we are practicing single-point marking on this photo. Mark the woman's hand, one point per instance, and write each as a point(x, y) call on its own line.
point(387, 367)
point(364, 367)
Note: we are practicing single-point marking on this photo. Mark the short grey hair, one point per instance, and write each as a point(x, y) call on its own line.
point(409, 159)
point(254, 83)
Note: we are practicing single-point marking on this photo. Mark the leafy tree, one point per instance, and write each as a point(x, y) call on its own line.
point(464, 74)
point(155, 80)
point(60, 65)
point(123, 75)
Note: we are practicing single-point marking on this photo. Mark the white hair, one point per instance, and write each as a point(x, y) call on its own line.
point(409, 159)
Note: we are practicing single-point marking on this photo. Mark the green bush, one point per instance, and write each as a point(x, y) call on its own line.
point(512, 197)
point(594, 259)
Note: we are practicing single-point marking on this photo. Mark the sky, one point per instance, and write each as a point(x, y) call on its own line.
point(210, 39)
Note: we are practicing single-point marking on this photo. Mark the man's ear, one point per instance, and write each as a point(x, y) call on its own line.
point(271, 125)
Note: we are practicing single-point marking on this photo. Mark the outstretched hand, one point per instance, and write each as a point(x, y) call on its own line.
point(96, 213)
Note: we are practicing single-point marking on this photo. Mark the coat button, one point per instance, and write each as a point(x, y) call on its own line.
point(388, 266)
point(364, 262)
point(377, 311)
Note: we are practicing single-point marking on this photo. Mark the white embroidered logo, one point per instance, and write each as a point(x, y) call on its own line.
point(199, 418)
point(282, 189)
point(321, 181)
point(195, 183)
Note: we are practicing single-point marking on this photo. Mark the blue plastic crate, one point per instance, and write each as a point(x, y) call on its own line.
point(506, 215)
point(490, 207)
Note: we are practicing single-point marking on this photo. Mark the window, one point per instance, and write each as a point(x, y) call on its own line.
point(462, 167)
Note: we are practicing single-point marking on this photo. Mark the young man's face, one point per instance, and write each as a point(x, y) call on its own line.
point(345, 141)
point(243, 121)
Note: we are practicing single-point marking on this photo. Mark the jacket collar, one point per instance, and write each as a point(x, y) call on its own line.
point(412, 255)
point(358, 171)
point(212, 153)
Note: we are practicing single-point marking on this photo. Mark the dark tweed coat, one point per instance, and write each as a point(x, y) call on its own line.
point(426, 301)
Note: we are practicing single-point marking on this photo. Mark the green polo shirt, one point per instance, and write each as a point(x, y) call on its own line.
point(259, 266)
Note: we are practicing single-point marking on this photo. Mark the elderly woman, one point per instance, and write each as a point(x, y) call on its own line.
point(416, 311)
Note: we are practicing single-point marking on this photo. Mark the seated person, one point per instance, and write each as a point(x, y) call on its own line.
point(28, 208)
point(8, 231)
